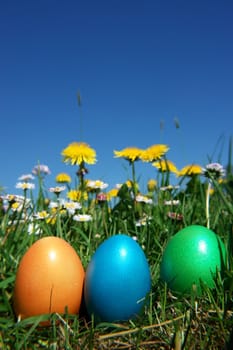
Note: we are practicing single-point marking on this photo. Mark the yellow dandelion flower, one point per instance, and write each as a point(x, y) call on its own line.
point(154, 152)
point(63, 178)
point(46, 201)
point(151, 185)
point(129, 183)
point(63, 212)
point(78, 153)
point(190, 170)
point(54, 210)
point(51, 220)
point(112, 193)
point(76, 195)
point(165, 165)
point(130, 153)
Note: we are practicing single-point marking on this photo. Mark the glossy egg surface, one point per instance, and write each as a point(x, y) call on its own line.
point(192, 257)
point(117, 280)
point(49, 279)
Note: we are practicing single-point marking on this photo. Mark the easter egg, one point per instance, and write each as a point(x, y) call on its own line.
point(49, 279)
point(192, 257)
point(117, 280)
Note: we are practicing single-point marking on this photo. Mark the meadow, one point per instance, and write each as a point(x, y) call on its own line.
point(86, 213)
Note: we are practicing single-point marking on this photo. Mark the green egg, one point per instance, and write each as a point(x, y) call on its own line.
point(192, 258)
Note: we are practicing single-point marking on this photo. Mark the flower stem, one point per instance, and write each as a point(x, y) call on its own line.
point(134, 179)
point(207, 205)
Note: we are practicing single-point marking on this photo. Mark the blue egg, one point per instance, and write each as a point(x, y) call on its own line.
point(117, 280)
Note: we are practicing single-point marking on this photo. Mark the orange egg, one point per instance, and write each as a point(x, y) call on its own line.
point(49, 279)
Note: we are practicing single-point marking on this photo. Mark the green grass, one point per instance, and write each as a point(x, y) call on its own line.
point(170, 321)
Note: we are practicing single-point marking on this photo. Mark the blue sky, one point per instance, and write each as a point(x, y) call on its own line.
point(136, 64)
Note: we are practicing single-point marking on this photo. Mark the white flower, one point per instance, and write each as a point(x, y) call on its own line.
point(16, 206)
point(25, 185)
point(214, 170)
point(172, 202)
point(143, 221)
point(57, 189)
point(21, 199)
point(96, 184)
point(71, 206)
point(16, 201)
point(144, 199)
point(140, 223)
point(169, 188)
point(53, 205)
point(41, 170)
point(26, 178)
point(82, 217)
point(41, 215)
point(16, 222)
point(118, 186)
point(34, 228)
